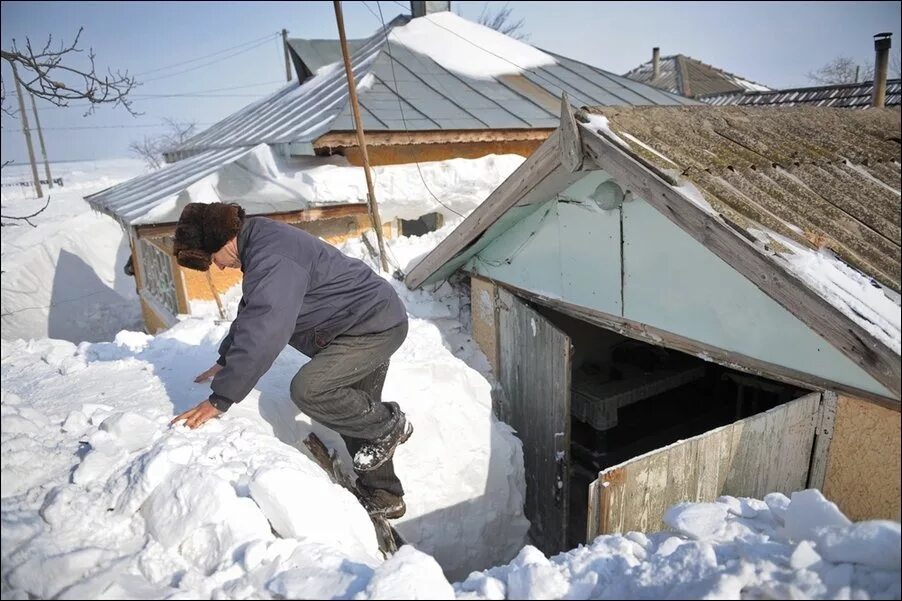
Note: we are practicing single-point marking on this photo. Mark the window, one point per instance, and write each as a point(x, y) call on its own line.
point(156, 275)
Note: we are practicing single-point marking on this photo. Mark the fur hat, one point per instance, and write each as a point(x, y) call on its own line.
point(204, 229)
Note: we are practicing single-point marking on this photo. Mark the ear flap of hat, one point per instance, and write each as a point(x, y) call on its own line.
point(198, 260)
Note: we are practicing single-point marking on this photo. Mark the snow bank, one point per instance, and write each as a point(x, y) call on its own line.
point(733, 548)
point(468, 48)
point(237, 507)
point(64, 278)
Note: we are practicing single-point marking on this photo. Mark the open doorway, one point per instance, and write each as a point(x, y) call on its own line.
point(591, 404)
point(629, 397)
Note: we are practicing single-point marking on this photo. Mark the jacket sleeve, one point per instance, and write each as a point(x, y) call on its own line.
point(273, 294)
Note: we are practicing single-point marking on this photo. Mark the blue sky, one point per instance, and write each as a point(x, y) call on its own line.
point(775, 43)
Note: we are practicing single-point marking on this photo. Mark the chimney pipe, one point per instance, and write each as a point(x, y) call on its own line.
point(421, 8)
point(655, 63)
point(882, 43)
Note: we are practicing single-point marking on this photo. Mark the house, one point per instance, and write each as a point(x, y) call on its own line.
point(685, 302)
point(689, 77)
point(430, 88)
point(850, 95)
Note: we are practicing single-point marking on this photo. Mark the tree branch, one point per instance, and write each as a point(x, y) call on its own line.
point(44, 75)
point(26, 217)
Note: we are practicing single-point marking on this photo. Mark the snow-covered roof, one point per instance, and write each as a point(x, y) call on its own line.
point(264, 183)
point(808, 196)
point(438, 72)
point(852, 95)
point(692, 78)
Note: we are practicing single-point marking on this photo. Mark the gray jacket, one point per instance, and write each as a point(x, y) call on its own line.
point(296, 290)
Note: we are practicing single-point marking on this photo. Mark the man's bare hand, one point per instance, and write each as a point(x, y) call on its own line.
point(198, 415)
point(203, 377)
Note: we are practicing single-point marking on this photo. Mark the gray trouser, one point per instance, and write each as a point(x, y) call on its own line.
point(341, 388)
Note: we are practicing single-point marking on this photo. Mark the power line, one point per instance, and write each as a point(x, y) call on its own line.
point(218, 60)
point(401, 108)
point(193, 60)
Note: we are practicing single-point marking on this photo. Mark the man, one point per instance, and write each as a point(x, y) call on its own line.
point(301, 291)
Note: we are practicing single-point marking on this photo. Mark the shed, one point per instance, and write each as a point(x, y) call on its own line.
point(685, 302)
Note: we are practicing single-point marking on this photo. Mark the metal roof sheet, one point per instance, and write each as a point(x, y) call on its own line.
point(431, 96)
point(855, 95)
point(129, 201)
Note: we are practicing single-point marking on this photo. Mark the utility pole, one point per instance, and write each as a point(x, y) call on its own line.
point(287, 58)
point(361, 140)
point(27, 132)
point(37, 123)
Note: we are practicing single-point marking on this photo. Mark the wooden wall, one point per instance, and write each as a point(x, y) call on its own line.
point(484, 318)
point(863, 462)
point(768, 452)
point(410, 153)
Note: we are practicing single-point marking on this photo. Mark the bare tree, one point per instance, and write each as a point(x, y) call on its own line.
point(151, 148)
point(51, 74)
point(502, 21)
point(840, 70)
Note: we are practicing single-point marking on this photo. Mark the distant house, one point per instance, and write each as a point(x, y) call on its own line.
point(686, 302)
point(852, 95)
point(431, 88)
point(689, 77)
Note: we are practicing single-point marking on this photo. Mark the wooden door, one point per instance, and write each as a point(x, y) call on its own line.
point(535, 375)
point(764, 453)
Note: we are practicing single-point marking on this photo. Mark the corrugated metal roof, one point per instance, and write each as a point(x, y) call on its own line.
point(854, 95)
point(129, 201)
point(433, 97)
point(690, 77)
point(818, 176)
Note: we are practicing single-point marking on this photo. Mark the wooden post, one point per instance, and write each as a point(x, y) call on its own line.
point(222, 313)
point(361, 140)
point(287, 58)
point(37, 123)
point(27, 132)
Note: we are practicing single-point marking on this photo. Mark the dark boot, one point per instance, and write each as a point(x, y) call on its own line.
point(382, 503)
point(372, 454)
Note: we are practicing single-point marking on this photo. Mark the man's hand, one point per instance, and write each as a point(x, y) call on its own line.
point(198, 415)
point(203, 377)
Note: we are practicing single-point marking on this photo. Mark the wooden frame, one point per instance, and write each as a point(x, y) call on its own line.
point(340, 139)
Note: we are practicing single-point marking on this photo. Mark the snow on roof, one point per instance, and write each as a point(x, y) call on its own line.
point(263, 183)
point(468, 48)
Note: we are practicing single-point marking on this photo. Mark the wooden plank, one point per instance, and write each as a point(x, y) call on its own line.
point(761, 269)
point(822, 438)
point(535, 359)
point(571, 142)
point(335, 211)
point(593, 511)
point(749, 458)
point(445, 136)
point(535, 169)
point(738, 361)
